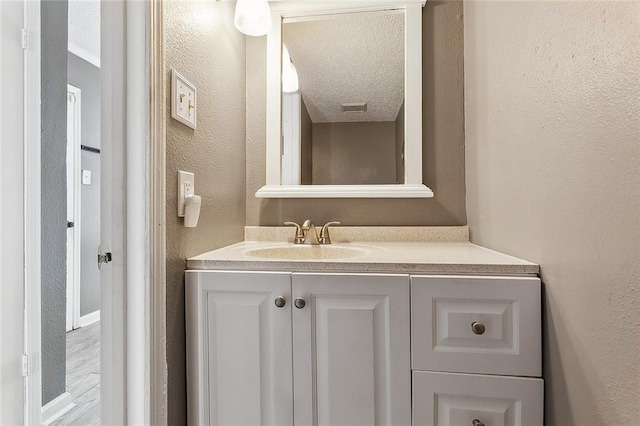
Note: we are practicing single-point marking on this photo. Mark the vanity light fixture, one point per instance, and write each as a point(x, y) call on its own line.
point(289, 73)
point(253, 17)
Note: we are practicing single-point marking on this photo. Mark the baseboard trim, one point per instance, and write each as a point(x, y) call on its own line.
point(56, 408)
point(89, 319)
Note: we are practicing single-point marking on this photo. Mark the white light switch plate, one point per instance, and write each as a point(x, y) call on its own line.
point(186, 183)
point(86, 177)
point(183, 100)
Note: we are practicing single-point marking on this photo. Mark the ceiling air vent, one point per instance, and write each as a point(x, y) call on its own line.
point(355, 107)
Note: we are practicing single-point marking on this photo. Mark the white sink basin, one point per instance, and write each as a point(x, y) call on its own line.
point(307, 252)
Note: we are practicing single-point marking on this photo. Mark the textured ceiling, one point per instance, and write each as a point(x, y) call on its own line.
point(349, 58)
point(84, 29)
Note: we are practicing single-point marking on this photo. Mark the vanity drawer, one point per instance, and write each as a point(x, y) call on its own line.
point(469, 324)
point(476, 400)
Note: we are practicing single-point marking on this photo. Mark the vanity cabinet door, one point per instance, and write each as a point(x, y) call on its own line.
point(351, 355)
point(239, 348)
point(449, 399)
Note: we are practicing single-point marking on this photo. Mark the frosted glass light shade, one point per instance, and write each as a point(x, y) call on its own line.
point(290, 79)
point(289, 73)
point(253, 17)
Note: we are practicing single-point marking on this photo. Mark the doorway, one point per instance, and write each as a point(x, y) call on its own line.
point(71, 187)
point(83, 193)
point(125, 330)
point(83, 190)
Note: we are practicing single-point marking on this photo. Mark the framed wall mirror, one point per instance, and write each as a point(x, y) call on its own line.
point(344, 100)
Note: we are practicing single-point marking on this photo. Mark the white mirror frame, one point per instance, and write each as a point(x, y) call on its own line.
point(413, 186)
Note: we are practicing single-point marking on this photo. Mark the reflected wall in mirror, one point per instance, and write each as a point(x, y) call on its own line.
point(349, 123)
point(343, 115)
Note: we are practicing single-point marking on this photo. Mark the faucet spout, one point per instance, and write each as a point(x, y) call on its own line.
point(310, 233)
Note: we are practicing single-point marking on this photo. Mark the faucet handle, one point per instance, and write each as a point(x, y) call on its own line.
point(324, 232)
point(299, 238)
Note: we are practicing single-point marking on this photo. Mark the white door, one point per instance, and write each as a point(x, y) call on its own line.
point(73, 205)
point(351, 361)
point(120, 390)
point(239, 348)
point(125, 106)
point(14, 241)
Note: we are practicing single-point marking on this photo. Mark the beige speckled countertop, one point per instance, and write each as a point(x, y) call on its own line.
point(433, 250)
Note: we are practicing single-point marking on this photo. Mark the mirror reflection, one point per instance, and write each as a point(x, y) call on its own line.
point(343, 99)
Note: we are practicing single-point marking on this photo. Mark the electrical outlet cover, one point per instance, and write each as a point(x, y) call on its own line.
point(186, 184)
point(183, 100)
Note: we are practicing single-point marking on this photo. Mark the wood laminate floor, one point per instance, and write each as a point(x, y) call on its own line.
point(83, 377)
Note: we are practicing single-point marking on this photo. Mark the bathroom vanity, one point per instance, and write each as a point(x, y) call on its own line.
point(392, 326)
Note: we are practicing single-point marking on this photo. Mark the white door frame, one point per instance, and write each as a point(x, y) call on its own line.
point(157, 234)
point(12, 208)
point(125, 204)
point(291, 134)
point(32, 208)
point(138, 217)
point(74, 214)
point(127, 396)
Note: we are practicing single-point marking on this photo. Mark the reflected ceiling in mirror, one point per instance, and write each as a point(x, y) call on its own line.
point(337, 64)
point(346, 125)
point(353, 127)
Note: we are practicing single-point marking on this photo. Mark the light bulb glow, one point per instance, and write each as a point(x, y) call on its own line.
point(253, 17)
point(290, 82)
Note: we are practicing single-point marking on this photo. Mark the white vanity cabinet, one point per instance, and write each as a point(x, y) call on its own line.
point(334, 351)
point(417, 327)
point(489, 326)
point(476, 400)
point(351, 350)
point(238, 348)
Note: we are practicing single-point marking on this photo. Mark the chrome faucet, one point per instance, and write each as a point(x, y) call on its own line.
point(308, 234)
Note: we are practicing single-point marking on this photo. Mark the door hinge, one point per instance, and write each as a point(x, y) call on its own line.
point(25, 39)
point(25, 365)
point(104, 258)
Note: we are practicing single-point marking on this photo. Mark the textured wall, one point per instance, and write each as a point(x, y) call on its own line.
point(54, 196)
point(553, 174)
point(443, 139)
point(86, 77)
point(84, 29)
point(354, 153)
point(202, 44)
